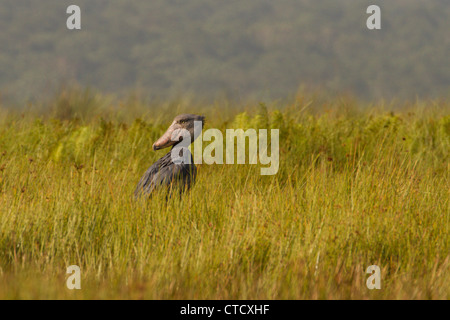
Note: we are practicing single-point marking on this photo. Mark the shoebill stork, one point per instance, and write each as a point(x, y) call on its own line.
point(165, 172)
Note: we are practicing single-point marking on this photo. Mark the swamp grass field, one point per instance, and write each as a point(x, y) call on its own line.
point(358, 185)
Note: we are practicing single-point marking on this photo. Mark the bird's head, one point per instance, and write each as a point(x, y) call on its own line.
point(182, 127)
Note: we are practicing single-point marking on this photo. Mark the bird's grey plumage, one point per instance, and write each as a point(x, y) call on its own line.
point(164, 172)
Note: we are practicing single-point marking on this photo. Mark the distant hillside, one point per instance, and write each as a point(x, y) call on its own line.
point(241, 48)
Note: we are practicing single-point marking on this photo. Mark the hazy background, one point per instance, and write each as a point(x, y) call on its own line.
point(264, 49)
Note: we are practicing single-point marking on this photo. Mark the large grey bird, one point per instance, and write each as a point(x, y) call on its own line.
point(165, 172)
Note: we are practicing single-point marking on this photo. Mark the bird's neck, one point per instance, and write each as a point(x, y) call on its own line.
point(181, 153)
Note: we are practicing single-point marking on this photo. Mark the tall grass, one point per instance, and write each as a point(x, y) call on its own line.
point(356, 187)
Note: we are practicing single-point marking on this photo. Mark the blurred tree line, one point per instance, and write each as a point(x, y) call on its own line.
point(238, 48)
